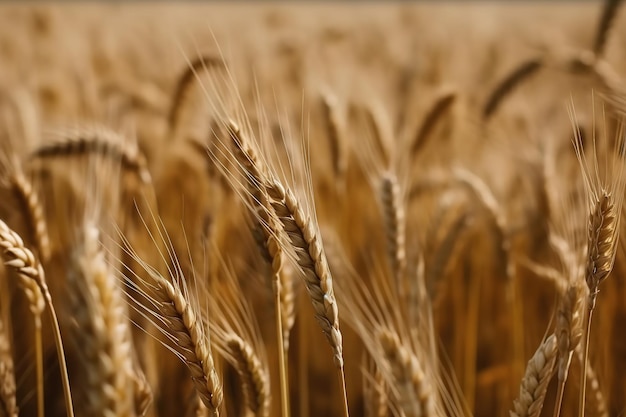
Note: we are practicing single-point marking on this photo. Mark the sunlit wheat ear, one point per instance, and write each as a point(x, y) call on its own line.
point(604, 181)
point(534, 385)
point(311, 259)
point(238, 339)
point(170, 310)
point(521, 73)
point(103, 334)
point(8, 403)
point(32, 278)
point(440, 108)
point(97, 140)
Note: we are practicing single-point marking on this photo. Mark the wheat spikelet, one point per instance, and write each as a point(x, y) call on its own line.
point(103, 337)
point(101, 141)
point(254, 378)
point(534, 385)
point(8, 403)
point(521, 73)
point(414, 394)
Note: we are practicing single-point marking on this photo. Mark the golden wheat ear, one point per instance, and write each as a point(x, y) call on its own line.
point(168, 305)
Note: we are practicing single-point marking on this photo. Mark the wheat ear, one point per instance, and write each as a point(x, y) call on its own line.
point(310, 256)
point(267, 229)
point(191, 345)
point(101, 141)
point(534, 386)
point(334, 134)
point(20, 258)
point(185, 81)
point(33, 213)
point(440, 108)
point(8, 402)
point(521, 73)
point(415, 397)
point(394, 218)
point(103, 333)
point(250, 370)
point(601, 247)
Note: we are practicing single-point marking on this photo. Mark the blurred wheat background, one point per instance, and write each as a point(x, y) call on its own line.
point(316, 209)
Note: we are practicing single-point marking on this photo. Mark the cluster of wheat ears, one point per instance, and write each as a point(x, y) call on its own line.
point(232, 249)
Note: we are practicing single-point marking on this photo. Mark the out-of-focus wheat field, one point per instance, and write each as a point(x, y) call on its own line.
point(312, 209)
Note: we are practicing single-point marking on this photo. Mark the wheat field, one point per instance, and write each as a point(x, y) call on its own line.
point(312, 209)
